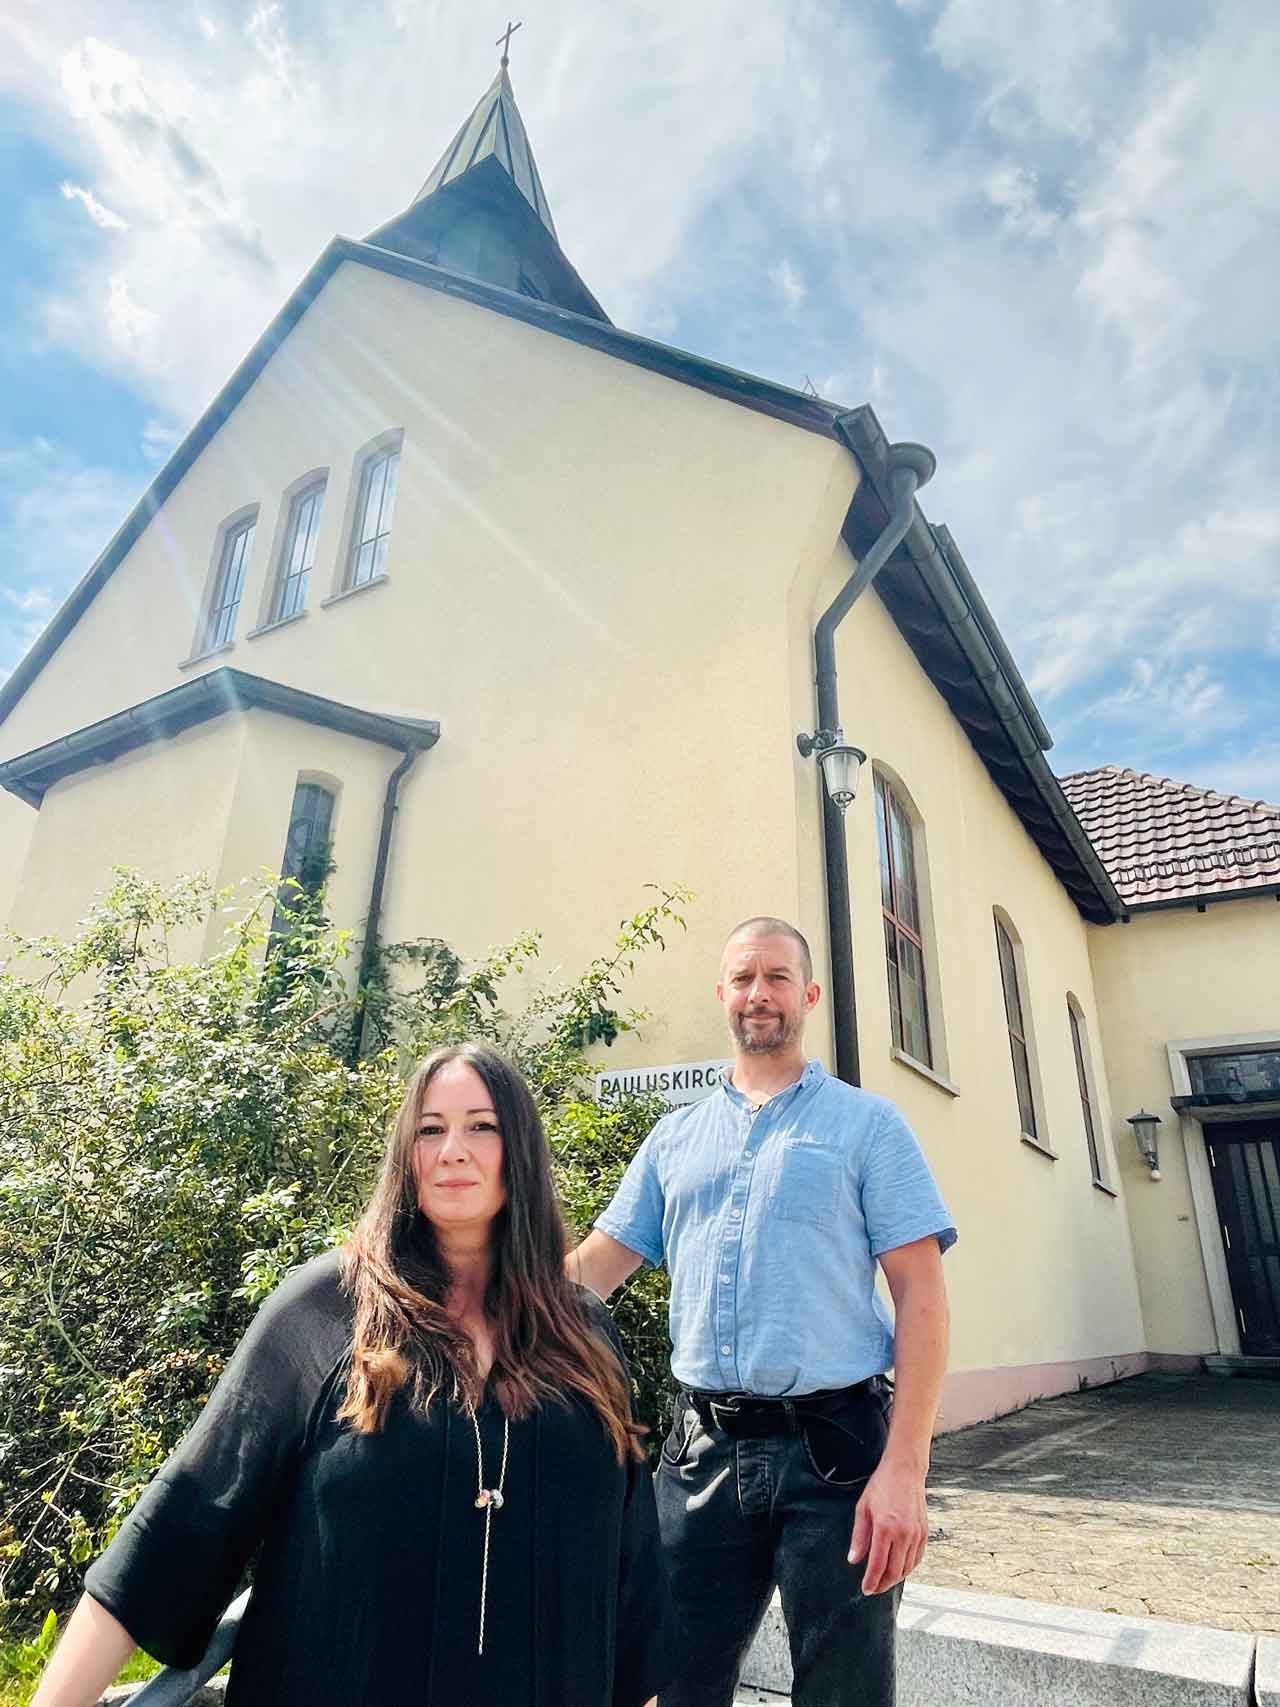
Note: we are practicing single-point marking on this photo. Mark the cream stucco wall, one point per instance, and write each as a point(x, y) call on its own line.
point(584, 578)
point(17, 826)
point(1043, 1272)
point(163, 809)
point(1168, 976)
point(603, 585)
point(215, 800)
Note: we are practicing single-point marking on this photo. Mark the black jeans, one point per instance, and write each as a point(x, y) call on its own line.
point(741, 1514)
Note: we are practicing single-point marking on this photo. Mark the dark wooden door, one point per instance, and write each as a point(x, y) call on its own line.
point(1244, 1159)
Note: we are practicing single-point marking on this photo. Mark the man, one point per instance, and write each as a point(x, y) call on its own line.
point(771, 1201)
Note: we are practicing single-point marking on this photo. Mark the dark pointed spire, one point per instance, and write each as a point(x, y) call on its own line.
point(483, 211)
point(495, 129)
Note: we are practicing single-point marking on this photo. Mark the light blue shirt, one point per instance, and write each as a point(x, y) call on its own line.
point(770, 1225)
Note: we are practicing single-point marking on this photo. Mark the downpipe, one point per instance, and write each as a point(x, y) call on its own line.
point(910, 467)
point(373, 918)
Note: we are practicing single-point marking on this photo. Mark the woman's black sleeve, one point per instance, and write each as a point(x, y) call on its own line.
point(177, 1559)
point(644, 1643)
point(644, 1639)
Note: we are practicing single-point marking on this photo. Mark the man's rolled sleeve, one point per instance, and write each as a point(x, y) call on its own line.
point(900, 1200)
point(634, 1218)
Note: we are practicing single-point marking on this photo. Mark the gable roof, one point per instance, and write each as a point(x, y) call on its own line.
point(1168, 843)
point(926, 585)
point(494, 130)
point(31, 774)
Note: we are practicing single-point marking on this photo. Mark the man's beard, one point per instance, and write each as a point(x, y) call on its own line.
point(765, 1042)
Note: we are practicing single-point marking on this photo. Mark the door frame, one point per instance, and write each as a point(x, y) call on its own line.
point(1192, 1124)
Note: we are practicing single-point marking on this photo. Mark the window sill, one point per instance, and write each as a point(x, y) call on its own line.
point(1038, 1147)
point(350, 592)
point(278, 622)
point(925, 1072)
point(199, 657)
point(1107, 1190)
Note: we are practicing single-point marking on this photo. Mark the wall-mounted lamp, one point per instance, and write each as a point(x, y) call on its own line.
point(1144, 1130)
point(840, 763)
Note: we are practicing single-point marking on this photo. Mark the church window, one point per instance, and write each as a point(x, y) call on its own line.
point(1019, 1031)
point(1088, 1110)
point(371, 535)
point(228, 585)
point(299, 554)
point(904, 940)
point(306, 845)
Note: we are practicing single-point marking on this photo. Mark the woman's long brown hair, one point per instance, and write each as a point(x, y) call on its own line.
point(544, 1347)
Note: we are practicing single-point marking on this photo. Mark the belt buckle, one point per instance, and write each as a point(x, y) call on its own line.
point(731, 1411)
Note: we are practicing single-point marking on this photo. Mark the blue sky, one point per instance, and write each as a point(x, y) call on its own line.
point(1041, 236)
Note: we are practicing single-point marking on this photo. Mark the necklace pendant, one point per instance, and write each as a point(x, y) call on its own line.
point(495, 1498)
point(482, 1499)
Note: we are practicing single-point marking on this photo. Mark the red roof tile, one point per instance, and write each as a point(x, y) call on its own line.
point(1162, 840)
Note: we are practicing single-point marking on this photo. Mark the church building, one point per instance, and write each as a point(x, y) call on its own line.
point(519, 612)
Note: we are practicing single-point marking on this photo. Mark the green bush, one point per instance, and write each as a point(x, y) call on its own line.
point(174, 1136)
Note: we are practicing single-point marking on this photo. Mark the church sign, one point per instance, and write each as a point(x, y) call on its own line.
point(680, 1083)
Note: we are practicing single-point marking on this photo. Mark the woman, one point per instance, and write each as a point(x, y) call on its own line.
point(429, 1436)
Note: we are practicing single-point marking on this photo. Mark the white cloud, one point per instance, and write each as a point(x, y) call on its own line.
point(1044, 240)
point(101, 216)
point(131, 326)
point(789, 283)
point(159, 438)
point(1014, 190)
point(1038, 65)
point(35, 601)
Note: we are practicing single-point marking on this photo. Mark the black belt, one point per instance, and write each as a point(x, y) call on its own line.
point(745, 1416)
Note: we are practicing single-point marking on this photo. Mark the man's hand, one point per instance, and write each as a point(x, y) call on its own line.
point(890, 1526)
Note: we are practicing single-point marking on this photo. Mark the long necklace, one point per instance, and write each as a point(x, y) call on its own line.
point(488, 1500)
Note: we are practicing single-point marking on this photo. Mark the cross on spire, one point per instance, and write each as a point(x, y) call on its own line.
point(504, 42)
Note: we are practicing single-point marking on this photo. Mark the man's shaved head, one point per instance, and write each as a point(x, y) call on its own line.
point(763, 925)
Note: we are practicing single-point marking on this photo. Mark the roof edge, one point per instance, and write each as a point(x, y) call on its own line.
point(32, 774)
point(1205, 899)
point(797, 408)
point(966, 614)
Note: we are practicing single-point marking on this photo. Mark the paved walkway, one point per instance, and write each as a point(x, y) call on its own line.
point(1159, 1496)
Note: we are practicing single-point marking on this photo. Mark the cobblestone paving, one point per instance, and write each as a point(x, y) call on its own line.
point(1159, 1495)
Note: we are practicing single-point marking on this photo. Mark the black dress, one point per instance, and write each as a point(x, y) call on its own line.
point(367, 1588)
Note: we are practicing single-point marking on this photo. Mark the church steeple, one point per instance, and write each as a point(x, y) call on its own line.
point(483, 210)
point(494, 130)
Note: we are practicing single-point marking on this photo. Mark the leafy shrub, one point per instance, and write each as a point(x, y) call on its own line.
point(175, 1136)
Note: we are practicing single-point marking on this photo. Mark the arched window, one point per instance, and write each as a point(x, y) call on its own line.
point(1088, 1097)
point(1017, 1018)
point(371, 523)
point(904, 926)
point(307, 847)
point(234, 551)
point(298, 555)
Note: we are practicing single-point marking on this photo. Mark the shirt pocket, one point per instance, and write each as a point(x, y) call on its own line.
point(808, 1185)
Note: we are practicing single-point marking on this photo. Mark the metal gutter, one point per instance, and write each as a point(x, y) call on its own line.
point(909, 467)
point(31, 774)
point(1210, 898)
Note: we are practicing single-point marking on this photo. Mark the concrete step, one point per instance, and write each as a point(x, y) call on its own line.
point(1266, 1367)
point(958, 1649)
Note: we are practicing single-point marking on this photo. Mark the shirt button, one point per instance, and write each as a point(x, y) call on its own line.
point(724, 1280)
point(725, 1350)
point(735, 1215)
